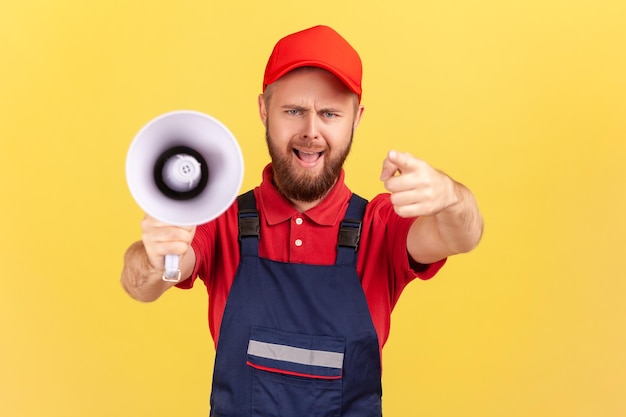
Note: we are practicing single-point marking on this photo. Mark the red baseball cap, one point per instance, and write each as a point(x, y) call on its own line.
point(319, 46)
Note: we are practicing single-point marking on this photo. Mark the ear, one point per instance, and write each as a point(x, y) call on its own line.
point(262, 110)
point(358, 115)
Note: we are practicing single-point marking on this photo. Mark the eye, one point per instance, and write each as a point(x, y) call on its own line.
point(293, 112)
point(329, 115)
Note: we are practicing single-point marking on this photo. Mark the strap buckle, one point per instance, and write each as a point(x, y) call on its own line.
point(248, 223)
point(350, 233)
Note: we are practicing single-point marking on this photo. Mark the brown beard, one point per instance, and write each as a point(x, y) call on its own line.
point(304, 187)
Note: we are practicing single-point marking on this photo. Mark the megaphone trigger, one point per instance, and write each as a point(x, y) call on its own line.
point(184, 168)
point(172, 271)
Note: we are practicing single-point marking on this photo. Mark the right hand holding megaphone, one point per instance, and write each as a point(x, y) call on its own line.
point(161, 240)
point(184, 168)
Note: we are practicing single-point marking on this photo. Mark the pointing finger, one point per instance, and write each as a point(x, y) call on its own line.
point(389, 168)
point(404, 162)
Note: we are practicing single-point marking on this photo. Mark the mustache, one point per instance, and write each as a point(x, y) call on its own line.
point(308, 145)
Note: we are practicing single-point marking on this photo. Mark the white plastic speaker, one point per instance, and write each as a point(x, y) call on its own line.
point(184, 168)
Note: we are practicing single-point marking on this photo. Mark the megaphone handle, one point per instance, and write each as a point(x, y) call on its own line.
point(172, 271)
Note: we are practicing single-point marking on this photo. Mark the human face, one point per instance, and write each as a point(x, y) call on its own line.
point(310, 117)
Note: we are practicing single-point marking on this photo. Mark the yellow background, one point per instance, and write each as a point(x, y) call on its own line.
point(523, 101)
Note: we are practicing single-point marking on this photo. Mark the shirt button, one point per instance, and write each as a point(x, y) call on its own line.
point(298, 242)
point(299, 220)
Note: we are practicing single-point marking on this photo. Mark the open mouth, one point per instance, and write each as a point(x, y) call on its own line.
point(308, 157)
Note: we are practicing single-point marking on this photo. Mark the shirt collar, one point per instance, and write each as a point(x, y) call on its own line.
point(277, 209)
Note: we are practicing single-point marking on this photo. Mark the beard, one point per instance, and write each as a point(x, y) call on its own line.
point(305, 186)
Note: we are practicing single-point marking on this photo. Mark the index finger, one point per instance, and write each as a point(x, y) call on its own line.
point(404, 162)
point(389, 168)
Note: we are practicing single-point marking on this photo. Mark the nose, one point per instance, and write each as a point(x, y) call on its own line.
point(310, 129)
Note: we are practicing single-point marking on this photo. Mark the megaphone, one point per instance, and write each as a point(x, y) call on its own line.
point(184, 168)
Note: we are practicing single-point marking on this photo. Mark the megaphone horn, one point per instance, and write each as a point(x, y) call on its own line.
point(184, 168)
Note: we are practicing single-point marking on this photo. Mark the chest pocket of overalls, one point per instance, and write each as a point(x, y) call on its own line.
point(295, 375)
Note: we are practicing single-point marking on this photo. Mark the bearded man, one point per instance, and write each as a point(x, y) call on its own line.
point(302, 274)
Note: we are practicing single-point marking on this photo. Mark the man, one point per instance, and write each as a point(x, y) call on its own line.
point(302, 275)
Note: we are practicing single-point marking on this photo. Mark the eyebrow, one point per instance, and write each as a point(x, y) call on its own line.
point(304, 109)
point(294, 107)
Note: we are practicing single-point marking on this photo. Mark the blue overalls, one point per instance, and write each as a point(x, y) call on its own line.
point(297, 340)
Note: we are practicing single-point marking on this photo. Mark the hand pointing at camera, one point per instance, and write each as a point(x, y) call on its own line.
point(447, 217)
point(416, 188)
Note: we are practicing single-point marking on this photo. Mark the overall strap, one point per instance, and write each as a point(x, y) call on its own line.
point(248, 224)
point(350, 231)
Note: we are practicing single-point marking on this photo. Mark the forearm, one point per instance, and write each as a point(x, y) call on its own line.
point(140, 280)
point(460, 226)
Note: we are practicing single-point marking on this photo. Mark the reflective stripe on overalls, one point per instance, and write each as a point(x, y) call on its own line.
point(297, 340)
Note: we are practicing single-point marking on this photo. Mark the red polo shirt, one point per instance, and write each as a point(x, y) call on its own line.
point(310, 238)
